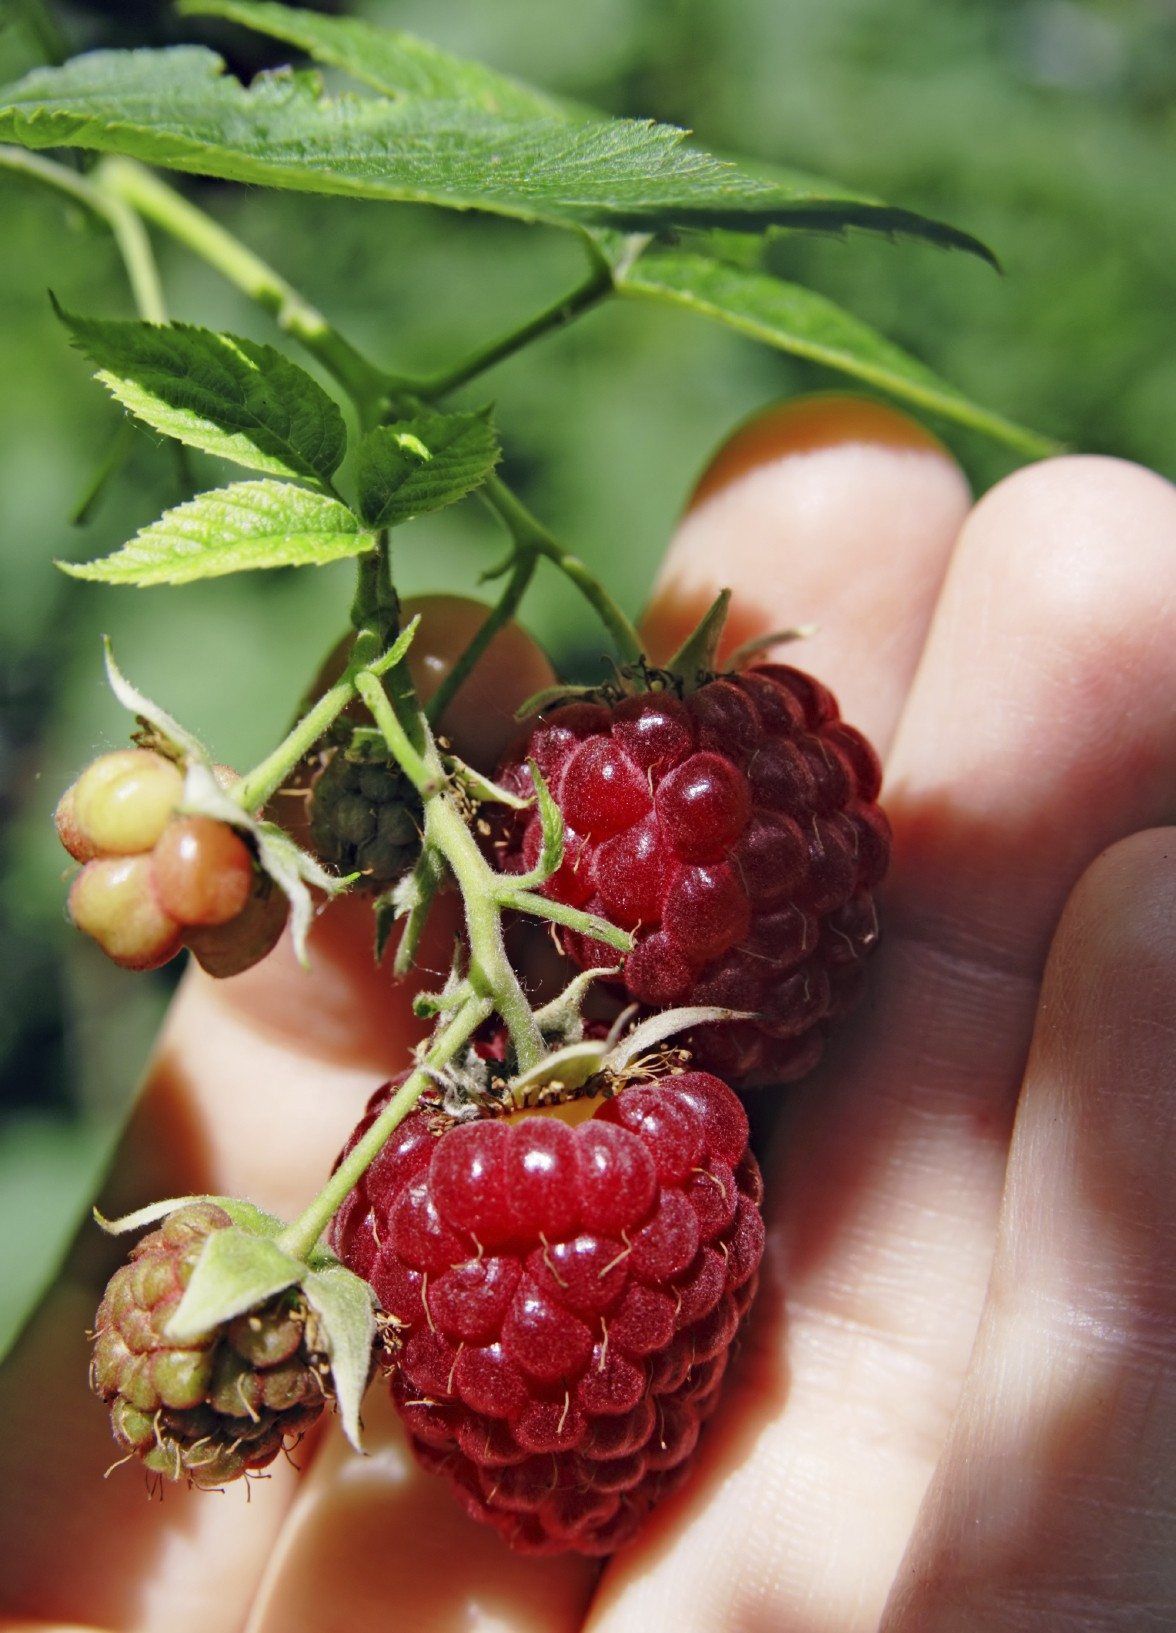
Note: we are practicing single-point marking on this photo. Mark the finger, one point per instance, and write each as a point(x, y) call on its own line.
point(385, 1540)
point(1055, 1499)
point(831, 511)
point(254, 1086)
point(1038, 730)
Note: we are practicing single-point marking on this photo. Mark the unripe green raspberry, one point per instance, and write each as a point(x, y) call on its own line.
point(218, 1405)
point(365, 818)
point(113, 899)
point(120, 804)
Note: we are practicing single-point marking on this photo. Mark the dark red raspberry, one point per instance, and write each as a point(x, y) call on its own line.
point(567, 1299)
point(736, 833)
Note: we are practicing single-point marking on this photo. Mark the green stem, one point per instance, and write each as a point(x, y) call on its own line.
point(299, 1238)
point(574, 918)
point(115, 456)
point(376, 605)
point(130, 236)
point(424, 771)
point(491, 974)
point(586, 295)
point(500, 614)
point(258, 786)
point(529, 533)
point(133, 184)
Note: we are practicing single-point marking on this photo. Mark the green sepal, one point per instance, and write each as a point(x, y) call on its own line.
point(245, 1214)
point(552, 825)
point(694, 661)
point(345, 1307)
point(236, 1271)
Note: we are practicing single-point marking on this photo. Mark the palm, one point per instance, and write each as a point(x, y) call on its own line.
point(1027, 699)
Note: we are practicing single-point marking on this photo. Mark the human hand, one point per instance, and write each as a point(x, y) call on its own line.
point(954, 1407)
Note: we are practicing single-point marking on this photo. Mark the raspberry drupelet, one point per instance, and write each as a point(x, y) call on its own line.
point(736, 832)
point(566, 1298)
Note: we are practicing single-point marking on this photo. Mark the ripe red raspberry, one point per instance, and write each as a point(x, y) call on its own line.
point(567, 1297)
point(736, 833)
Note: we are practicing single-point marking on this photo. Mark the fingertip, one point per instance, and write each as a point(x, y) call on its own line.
point(807, 425)
point(833, 511)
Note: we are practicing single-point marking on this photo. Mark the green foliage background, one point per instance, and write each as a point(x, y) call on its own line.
point(1047, 127)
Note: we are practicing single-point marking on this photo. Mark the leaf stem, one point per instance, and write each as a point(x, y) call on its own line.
point(587, 294)
point(528, 533)
point(499, 614)
point(130, 236)
point(135, 185)
point(299, 1238)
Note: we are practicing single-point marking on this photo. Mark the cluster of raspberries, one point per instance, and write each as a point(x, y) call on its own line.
point(562, 1286)
point(155, 881)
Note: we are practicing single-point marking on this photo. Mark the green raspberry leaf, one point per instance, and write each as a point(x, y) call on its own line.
point(232, 530)
point(808, 325)
point(392, 62)
point(235, 1272)
point(178, 108)
point(344, 1306)
point(423, 464)
point(227, 396)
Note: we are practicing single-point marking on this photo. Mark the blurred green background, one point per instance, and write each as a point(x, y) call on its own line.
point(1048, 127)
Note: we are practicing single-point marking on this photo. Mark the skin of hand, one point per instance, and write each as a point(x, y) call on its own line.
point(955, 1407)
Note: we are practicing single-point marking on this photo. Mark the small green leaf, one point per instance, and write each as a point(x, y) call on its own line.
point(395, 63)
point(423, 464)
point(232, 530)
point(800, 321)
point(235, 1272)
point(227, 396)
point(344, 1306)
